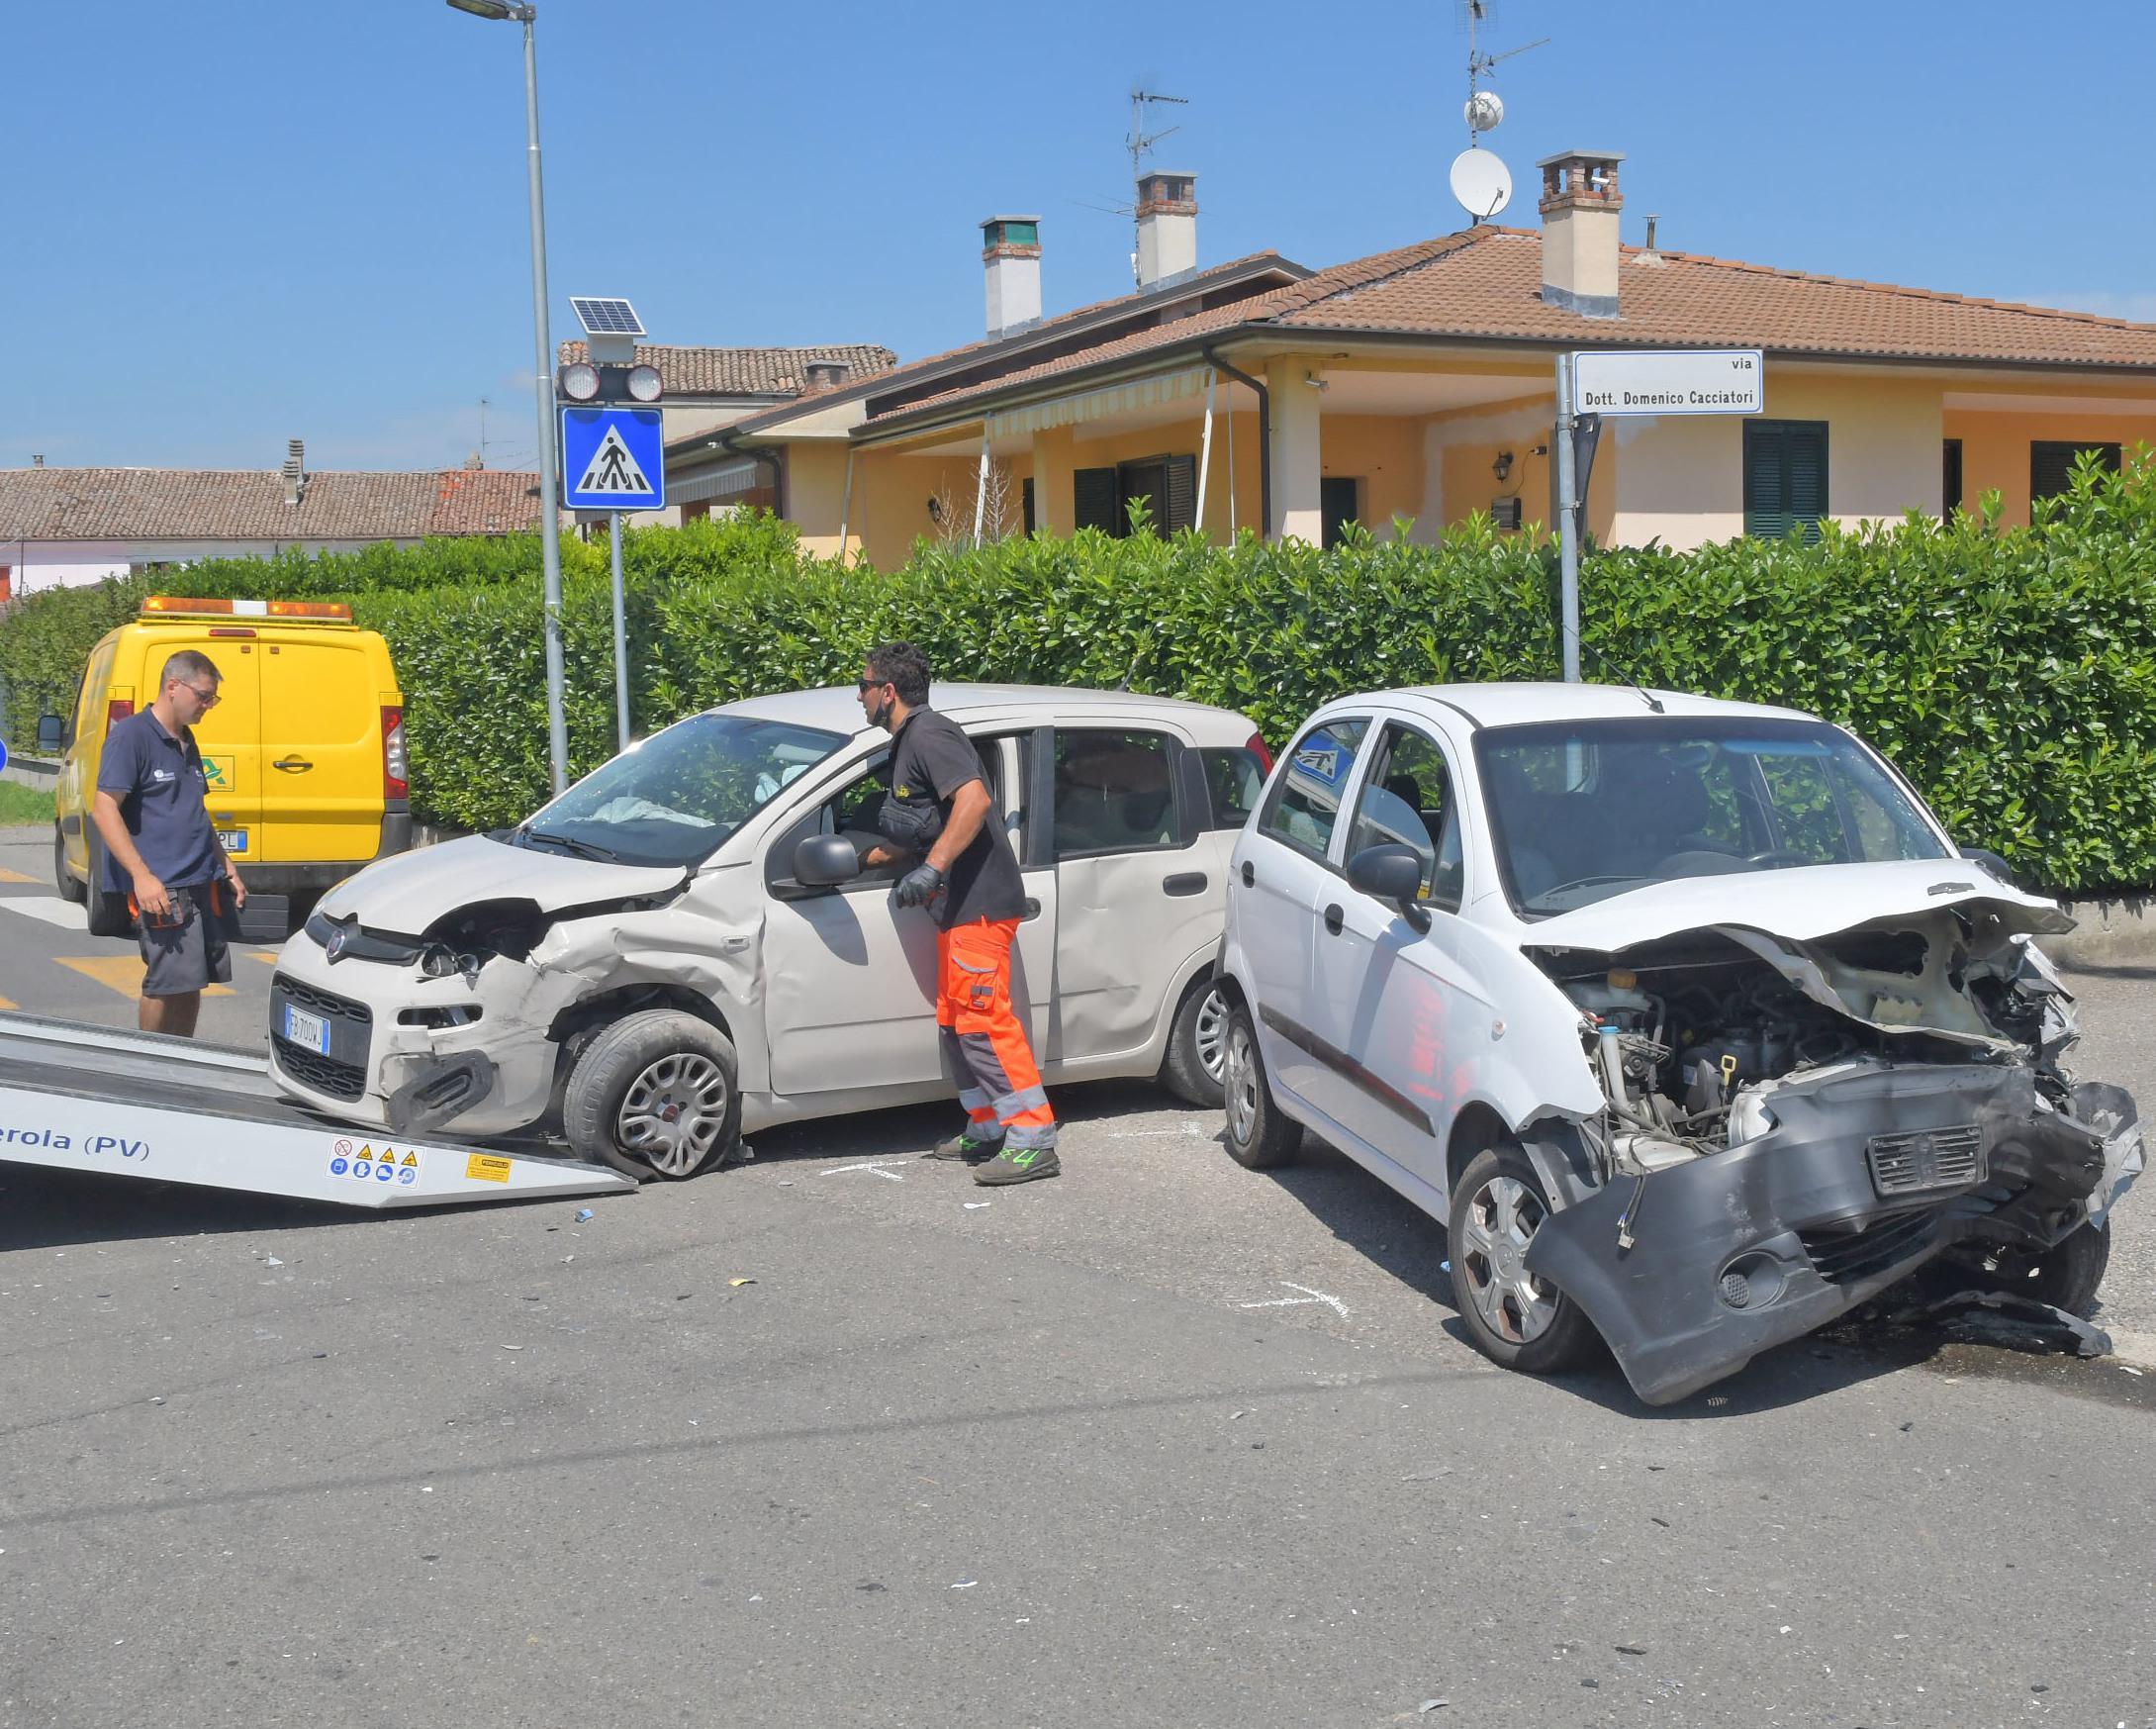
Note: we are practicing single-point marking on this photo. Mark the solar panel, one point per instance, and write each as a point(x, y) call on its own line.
point(607, 318)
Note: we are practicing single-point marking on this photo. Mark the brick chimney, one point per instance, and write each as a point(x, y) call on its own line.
point(295, 471)
point(1167, 226)
point(1580, 205)
point(1011, 248)
point(828, 371)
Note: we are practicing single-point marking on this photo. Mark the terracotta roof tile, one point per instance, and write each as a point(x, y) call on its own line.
point(183, 503)
point(747, 371)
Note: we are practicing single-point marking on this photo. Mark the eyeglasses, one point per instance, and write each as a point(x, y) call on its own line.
point(869, 684)
point(209, 699)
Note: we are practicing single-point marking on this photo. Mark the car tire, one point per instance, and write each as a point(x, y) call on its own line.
point(656, 1096)
point(2065, 1276)
point(63, 879)
point(1259, 1136)
point(1511, 1317)
point(109, 915)
point(1195, 1065)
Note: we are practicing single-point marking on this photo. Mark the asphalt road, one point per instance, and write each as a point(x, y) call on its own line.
point(1160, 1442)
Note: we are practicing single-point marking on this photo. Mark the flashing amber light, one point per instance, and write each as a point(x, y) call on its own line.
point(188, 605)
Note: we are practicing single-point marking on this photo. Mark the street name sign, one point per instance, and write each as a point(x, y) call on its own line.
point(612, 459)
point(1669, 381)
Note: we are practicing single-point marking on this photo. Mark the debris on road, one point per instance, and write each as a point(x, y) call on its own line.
point(2014, 1323)
point(738, 1283)
point(583, 1214)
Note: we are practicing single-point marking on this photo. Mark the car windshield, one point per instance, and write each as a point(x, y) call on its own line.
point(1581, 811)
point(676, 796)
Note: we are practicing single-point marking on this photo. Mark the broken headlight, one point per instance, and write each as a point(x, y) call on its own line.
point(1749, 1118)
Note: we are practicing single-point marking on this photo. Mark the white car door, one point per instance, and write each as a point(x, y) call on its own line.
point(1282, 877)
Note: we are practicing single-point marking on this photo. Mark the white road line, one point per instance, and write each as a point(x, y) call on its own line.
point(874, 1166)
point(1189, 1131)
point(1308, 1295)
point(50, 909)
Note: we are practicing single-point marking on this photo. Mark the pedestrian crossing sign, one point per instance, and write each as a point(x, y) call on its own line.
point(612, 459)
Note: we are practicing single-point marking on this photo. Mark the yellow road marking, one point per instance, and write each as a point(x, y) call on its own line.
point(5, 1006)
point(121, 973)
point(268, 956)
point(14, 877)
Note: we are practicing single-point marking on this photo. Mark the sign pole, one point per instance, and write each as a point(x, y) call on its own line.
point(557, 728)
point(1567, 518)
point(620, 631)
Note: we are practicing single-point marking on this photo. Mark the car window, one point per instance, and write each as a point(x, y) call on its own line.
point(1115, 792)
point(1234, 778)
point(1305, 804)
point(1407, 801)
point(852, 811)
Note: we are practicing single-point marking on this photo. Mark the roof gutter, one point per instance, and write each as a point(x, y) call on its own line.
point(1264, 432)
point(731, 444)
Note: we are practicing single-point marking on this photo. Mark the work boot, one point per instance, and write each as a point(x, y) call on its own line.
point(966, 1145)
point(1020, 1165)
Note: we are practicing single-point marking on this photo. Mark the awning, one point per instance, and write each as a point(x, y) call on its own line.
point(1102, 404)
point(733, 478)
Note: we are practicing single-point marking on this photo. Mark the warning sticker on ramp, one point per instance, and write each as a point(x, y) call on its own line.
point(486, 1167)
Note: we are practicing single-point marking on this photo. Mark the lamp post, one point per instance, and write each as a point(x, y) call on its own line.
point(557, 733)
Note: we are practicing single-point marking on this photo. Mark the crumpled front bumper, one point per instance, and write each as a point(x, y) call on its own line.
point(1743, 1250)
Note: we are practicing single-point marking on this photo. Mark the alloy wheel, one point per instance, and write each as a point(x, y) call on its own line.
point(674, 1113)
point(1211, 1035)
point(1241, 1083)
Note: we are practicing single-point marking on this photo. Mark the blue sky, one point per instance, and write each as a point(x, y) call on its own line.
point(235, 221)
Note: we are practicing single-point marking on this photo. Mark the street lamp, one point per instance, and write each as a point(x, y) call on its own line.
point(557, 732)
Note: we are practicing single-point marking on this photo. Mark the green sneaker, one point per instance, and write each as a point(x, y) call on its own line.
point(1020, 1165)
point(964, 1145)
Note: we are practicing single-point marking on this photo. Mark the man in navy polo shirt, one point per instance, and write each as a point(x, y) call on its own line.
point(161, 848)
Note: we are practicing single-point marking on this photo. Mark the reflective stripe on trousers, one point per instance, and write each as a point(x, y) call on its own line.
point(984, 1043)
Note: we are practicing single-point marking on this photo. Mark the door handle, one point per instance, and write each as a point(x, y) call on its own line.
point(1032, 911)
point(1184, 883)
point(1334, 919)
point(1250, 877)
point(293, 765)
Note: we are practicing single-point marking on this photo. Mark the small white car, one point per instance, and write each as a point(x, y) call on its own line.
point(665, 957)
point(1685, 1017)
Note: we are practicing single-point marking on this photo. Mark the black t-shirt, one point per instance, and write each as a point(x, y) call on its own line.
point(930, 760)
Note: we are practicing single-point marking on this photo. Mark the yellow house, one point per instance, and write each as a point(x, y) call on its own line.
point(1417, 386)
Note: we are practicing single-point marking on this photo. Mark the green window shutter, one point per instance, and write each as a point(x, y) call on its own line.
point(1095, 501)
point(1025, 501)
point(1183, 495)
point(2051, 464)
point(1785, 478)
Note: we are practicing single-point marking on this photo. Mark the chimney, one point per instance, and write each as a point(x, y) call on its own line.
point(1011, 248)
point(1580, 204)
point(37, 461)
point(828, 371)
point(295, 471)
point(1167, 226)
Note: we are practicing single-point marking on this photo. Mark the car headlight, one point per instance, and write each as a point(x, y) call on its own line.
point(1749, 1118)
point(437, 961)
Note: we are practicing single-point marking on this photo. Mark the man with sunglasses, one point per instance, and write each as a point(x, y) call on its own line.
point(939, 819)
point(161, 849)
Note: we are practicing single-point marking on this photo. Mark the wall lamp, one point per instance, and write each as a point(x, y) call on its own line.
point(1502, 467)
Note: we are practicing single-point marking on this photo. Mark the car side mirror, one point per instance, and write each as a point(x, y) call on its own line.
point(1992, 862)
point(1394, 873)
point(51, 734)
point(823, 861)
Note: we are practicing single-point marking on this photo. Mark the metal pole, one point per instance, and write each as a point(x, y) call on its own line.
point(846, 505)
point(557, 730)
point(980, 486)
point(1568, 519)
point(1231, 470)
point(620, 631)
point(1206, 451)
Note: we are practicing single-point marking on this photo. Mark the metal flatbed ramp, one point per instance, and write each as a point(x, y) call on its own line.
point(76, 1098)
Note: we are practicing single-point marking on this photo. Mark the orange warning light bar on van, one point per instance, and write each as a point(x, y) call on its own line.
point(187, 605)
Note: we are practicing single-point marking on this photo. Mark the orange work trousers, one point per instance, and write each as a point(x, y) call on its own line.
point(986, 1052)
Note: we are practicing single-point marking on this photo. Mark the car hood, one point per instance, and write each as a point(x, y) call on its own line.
point(408, 892)
point(1801, 905)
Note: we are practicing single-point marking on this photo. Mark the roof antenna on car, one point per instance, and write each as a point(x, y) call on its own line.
point(1649, 698)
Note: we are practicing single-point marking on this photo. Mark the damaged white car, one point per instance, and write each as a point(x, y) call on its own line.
point(665, 957)
point(1686, 1016)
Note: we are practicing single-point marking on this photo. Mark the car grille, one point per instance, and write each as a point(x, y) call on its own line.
point(323, 1002)
point(1845, 1257)
point(1925, 1159)
point(324, 1074)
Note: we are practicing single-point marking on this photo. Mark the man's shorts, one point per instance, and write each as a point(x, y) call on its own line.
point(187, 955)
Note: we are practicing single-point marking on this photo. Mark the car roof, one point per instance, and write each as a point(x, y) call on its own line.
point(838, 709)
point(1521, 703)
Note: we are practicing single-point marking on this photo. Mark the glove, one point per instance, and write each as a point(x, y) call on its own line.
point(919, 886)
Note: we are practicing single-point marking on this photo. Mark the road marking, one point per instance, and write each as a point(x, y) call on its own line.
point(1189, 1131)
point(7, 1007)
point(121, 973)
point(876, 1166)
point(51, 909)
point(268, 957)
point(1308, 1295)
point(16, 877)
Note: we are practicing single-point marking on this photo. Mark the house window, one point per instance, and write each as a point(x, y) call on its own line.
point(1025, 501)
point(1950, 488)
point(1340, 501)
point(1168, 485)
point(2051, 464)
point(1785, 478)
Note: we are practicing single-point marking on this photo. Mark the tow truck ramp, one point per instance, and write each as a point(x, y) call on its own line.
point(78, 1098)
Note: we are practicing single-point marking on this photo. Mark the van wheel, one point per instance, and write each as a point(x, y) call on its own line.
point(63, 878)
point(1513, 1318)
point(1259, 1136)
point(655, 1094)
point(109, 915)
point(1195, 1065)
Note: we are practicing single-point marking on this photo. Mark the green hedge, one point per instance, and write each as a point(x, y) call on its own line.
point(2011, 673)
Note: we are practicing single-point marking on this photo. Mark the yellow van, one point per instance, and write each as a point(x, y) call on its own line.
point(305, 750)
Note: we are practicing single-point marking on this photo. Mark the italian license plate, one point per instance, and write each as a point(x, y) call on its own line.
point(233, 839)
point(310, 1030)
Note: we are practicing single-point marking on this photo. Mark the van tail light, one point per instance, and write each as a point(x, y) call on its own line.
point(116, 711)
point(1257, 747)
point(396, 779)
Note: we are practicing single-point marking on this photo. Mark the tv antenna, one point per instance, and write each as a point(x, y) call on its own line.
point(1480, 180)
point(1138, 144)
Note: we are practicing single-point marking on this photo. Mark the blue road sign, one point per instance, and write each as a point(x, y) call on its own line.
point(612, 459)
point(3, 753)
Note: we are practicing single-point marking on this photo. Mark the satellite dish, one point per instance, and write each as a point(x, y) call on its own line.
point(1482, 183)
point(1484, 111)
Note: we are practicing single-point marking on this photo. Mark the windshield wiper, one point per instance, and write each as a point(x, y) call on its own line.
point(570, 843)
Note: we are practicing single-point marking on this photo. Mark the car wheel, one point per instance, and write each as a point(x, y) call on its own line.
point(655, 1094)
point(1195, 1067)
point(109, 915)
point(2065, 1276)
point(1259, 1135)
point(1514, 1317)
point(63, 878)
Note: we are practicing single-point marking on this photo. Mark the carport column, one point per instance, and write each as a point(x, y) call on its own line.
point(1055, 462)
point(1297, 461)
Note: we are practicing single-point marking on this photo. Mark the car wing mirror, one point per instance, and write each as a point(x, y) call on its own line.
point(823, 861)
point(51, 734)
point(1992, 862)
point(1394, 873)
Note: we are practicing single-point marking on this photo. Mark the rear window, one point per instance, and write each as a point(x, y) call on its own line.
point(1233, 777)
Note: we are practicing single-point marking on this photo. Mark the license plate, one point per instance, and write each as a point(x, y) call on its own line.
point(233, 839)
point(311, 1030)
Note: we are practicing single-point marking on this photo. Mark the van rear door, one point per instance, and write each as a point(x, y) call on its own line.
point(322, 749)
point(230, 735)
